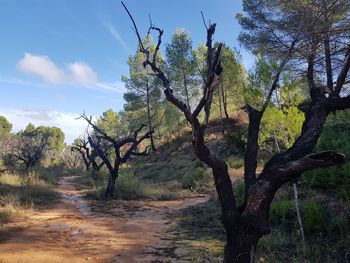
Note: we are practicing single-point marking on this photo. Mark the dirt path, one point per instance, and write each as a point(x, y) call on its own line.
point(76, 230)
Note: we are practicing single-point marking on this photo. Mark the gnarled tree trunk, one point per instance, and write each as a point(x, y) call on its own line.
point(246, 224)
point(112, 178)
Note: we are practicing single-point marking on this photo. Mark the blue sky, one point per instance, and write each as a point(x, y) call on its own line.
point(59, 58)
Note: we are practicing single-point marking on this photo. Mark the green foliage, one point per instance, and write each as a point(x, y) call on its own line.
point(128, 187)
point(199, 164)
point(280, 127)
point(259, 82)
point(281, 211)
point(229, 96)
point(5, 126)
point(143, 94)
point(236, 142)
point(173, 119)
point(282, 121)
point(337, 225)
point(199, 180)
point(335, 136)
point(313, 217)
point(181, 67)
point(5, 138)
point(235, 163)
point(110, 122)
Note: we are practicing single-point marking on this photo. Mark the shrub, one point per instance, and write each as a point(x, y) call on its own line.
point(236, 142)
point(128, 187)
point(335, 136)
point(235, 163)
point(282, 211)
point(337, 225)
point(5, 215)
point(198, 163)
point(198, 180)
point(313, 217)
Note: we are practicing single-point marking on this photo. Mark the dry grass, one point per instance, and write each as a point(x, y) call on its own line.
point(19, 193)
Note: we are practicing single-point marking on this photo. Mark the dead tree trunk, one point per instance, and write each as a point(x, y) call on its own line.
point(129, 144)
point(111, 182)
point(245, 225)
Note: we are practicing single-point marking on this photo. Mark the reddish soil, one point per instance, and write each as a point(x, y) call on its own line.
point(76, 230)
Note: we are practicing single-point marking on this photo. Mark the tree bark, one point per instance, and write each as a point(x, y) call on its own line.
point(240, 245)
point(111, 183)
point(244, 225)
point(186, 91)
point(251, 152)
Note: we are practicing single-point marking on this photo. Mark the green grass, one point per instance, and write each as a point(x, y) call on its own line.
point(282, 211)
point(128, 187)
point(327, 234)
point(335, 136)
point(236, 163)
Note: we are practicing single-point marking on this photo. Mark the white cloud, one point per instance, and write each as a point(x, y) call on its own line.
point(68, 122)
point(115, 34)
point(82, 73)
point(41, 66)
point(76, 73)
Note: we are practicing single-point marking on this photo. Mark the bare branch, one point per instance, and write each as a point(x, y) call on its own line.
point(309, 162)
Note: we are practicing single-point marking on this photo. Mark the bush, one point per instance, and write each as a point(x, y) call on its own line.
point(282, 211)
point(235, 163)
point(5, 215)
point(337, 225)
point(198, 181)
point(236, 142)
point(335, 136)
point(24, 191)
point(313, 217)
point(128, 187)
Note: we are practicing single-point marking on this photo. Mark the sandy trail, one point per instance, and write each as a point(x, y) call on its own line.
point(75, 230)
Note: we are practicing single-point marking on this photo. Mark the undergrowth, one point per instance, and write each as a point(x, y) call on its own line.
point(202, 236)
point(21, 192)
point(127, 187)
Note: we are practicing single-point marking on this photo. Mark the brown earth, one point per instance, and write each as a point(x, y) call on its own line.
point(76, 230)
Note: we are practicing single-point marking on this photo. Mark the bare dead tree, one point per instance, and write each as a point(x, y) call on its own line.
point(89, 155)
point(246, 224)
point(81, 146)
point(123, 148)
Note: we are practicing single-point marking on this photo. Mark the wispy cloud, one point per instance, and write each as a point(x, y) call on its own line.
point(116, 35)
point(75, 74)
point(20, 82)
point(68, 122)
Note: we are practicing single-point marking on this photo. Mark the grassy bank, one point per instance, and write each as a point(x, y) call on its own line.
point(201, 237)
point(21, 193)
point(128, 187)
